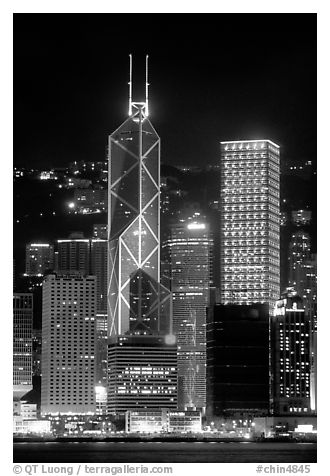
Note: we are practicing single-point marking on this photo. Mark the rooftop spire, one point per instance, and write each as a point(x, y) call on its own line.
point(131, 103)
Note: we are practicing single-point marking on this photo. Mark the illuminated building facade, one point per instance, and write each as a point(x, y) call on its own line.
point(238, 360)
point(142, 368)
point(83, 256)
point(36, 351)
point(99, 268)
point(137, 302)
point(299, 255)
point(291, 356)
point(163, 421)
point(250, 222)
point(189, 249)
point(68, 345)
point(303, 279)
point(101, 399)
point(146, 421)
point(142, 372)
point(38, 258)
point(22, 344)
point(101, 359)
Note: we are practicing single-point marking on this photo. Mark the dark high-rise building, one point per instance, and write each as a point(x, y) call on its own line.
point(250, 222)
point(22, 344)
point(68, 345)
point(238, 360)
point(189, 250)
point(73, 255)
point(142, 373)
point(291, 356)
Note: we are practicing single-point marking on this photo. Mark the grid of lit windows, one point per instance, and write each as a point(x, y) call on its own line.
point(250, 222)
point(291, 332)
point(142, 373)
point(22, 342)
point(68, 344)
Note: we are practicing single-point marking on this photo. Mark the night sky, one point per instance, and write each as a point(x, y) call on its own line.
point(213, 77)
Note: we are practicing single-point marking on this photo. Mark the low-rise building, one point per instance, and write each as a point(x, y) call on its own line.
point(163, 420)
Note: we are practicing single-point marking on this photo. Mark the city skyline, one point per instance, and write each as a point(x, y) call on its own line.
point(165, 292)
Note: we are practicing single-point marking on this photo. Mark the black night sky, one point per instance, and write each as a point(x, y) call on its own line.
point(213, 77)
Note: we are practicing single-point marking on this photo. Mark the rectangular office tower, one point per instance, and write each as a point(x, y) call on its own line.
point(250, 222)
point(142, 373)
point(189, 249)
point(238, 360)
point(291, 357)
point(68, 345)
point(22, 344)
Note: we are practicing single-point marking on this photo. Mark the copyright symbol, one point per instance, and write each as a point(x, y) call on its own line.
point(17, 469)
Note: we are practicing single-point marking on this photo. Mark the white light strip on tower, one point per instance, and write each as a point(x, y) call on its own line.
point(196, 226)
point(130, 87)
point(80, 240)
point(249, 141)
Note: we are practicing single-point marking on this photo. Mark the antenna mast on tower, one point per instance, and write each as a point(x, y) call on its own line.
point(132, 103)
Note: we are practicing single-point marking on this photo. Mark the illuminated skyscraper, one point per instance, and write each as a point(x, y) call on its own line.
point(68, 344)
point(302, 277)
point(291, 356)
point(189, 249)
point(137, 302)
point(302, 272)
point(250, 222)
point(139, 306)
point(22, 344)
